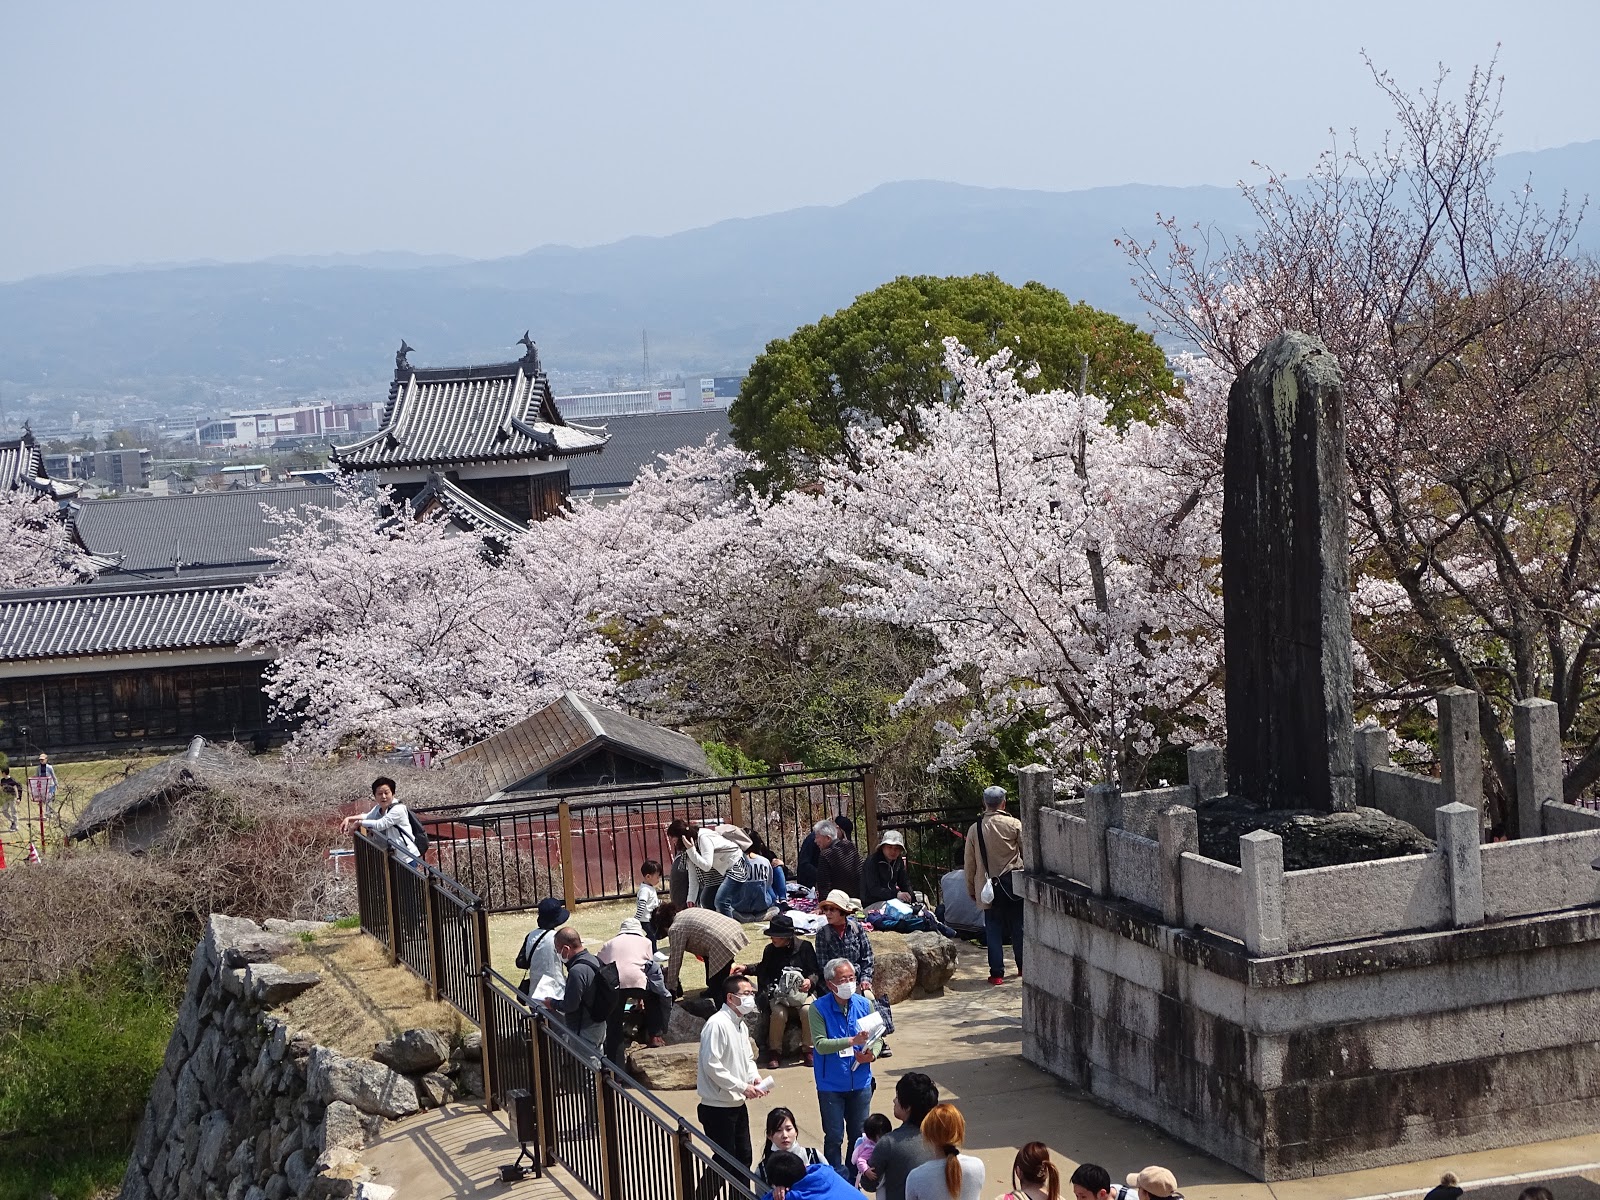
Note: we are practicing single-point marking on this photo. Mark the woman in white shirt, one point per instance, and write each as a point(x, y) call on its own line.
point(953, 1175)
point(388, 817)
point(711, 854)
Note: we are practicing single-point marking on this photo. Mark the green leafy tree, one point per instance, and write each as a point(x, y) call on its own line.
point(879, 360)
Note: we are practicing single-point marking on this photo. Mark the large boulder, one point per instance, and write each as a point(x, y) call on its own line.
point(341, 1128)
point(683, 1026)
point(894, 975)
point(666, 1068)
point(936, 957)
point(414, 1051)
point(363, 1084)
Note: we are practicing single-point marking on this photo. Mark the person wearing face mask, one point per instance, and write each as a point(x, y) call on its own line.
point(727, 1076)
point(582, 1003)
point(841, 1062)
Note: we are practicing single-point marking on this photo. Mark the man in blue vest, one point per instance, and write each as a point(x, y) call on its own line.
point(842, 1054)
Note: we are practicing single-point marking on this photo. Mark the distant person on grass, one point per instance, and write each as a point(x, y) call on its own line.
point(10, 794)
point(48, 773)
point(538, 955)
point(387, 817)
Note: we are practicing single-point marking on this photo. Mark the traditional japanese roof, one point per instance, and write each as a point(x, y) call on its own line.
point(22, 465)
point(90, 619)
point(638, 439)
point(464, 508)
point(193, 770)
point(439, 416)
point(198, 530)
point(566, 729)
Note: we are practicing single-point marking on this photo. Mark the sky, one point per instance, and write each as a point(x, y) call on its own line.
point(161, 132)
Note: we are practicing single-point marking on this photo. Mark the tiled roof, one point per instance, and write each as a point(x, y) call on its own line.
point(69, 622)
point(446, 415)
point(192, 770)
point(22, 465)
point(637, 440)
point(464, 507)
point(201, 529)
point(565, 727)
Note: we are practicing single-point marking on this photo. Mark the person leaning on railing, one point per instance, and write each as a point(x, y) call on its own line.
point(387, 817)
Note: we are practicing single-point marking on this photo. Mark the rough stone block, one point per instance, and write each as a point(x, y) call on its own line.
point(294, 928)
point(435, 1090)
point(271, 985)
point(1459, 844)
point(1100, 811)
point(470, 1079)
point(367, 1085)
point(298, 1169)
point(1371, 750)
point(894, 975)
point(341, 1127)
point(413, 1051)
point(683, 1026)
point(1261, 861)
point(1177, 834)
point(936, 957)
point(665, 1068)
point(1208, 774)
point(1538, 733)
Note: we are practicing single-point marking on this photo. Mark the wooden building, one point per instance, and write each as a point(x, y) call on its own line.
point(487, 443)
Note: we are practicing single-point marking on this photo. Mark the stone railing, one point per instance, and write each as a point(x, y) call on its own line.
point(1144, 848)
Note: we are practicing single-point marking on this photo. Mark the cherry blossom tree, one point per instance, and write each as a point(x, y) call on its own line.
point(39, 550)
point(1066, 571)
point(1466, 332)
point(390, 630)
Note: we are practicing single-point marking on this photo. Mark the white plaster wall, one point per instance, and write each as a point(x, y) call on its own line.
point(1328, 905)
point(1135, 866)
point(1539, 875)
point(1213, 895)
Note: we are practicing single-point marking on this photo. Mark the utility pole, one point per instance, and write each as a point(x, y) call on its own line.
point(644, 337)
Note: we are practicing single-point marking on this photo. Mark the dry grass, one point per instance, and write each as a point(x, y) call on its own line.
point(361, 1000)
point(76, 784)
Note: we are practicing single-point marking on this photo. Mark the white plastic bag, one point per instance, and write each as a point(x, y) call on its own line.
point(987, 894)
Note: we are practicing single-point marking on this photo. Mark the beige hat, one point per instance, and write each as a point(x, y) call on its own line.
point(838, 900)
point(893, 838)
point(631, 925)
point(1157, 1181)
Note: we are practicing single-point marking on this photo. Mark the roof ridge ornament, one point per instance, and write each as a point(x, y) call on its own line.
point(530, 354)
point(401, 365)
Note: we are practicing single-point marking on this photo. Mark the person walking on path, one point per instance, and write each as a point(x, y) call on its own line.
point(953, 1175)
point(842, 1055)
point(387, 817)
point(10, 794)
point(704, 933)
point(727, 1077)
point(789, 979)
point(792, 1179)
point(1033, 1175)
point(47, 773)
point(843, 937)
point(538, 957)
point(580, 1003)
point(883, 875)
point(994, 850)
point(838, 860)
point(903, 1148)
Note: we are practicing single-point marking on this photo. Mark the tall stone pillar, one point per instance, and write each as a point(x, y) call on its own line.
point(1286, 582)
point(1538, 728)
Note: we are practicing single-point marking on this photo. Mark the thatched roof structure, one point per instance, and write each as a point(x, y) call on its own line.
point(201, 767)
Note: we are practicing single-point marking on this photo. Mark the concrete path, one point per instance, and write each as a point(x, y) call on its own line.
point(969, 1041)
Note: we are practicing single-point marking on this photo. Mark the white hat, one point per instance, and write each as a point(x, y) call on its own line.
point(631, 925)
point(839, 900)
point(893, 837)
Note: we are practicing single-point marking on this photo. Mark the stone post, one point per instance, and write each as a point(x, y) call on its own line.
point(1538, 732)
point(1099, 809)
point(1177, 833)
point(1456, 830)
point(1460, 749)
point(1261, 858)
point(1372, 750)
point(1207, 772)
point(1036, 789)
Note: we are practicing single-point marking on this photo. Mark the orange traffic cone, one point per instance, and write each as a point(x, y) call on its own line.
point(33, 853)
point(2, 856)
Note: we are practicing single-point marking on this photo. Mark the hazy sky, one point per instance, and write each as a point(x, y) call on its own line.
point(158, 132)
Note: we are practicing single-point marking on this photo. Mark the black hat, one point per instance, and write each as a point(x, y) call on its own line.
point(781, 925)
point(1445, 1191)
point(553, 913)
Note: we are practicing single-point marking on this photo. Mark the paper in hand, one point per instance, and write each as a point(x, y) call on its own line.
point(550, 988)
point(871, 1024)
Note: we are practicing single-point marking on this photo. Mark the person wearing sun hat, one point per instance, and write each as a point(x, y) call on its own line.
point(883, 874)
point(538, 954)
point(1153, 1183)
point(843, 937)
point(787, 980)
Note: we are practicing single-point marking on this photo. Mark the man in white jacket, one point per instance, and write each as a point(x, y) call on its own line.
point(728, 1076)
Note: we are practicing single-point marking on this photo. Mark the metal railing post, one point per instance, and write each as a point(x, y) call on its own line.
point(569, 882)
point(391, 898)
point(480, 921)
point(869, 804)
point(544, 1089)
point(605, 1116)
point(683, 1188)
point(430, 913)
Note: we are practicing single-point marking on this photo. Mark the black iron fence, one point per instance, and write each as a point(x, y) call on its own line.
point(587, 845)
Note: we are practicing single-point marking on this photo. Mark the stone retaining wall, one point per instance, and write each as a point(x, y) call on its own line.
point(246, 1108)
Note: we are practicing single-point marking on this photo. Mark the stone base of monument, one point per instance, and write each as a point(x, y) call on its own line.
point(1310, 839)
point(1305, 1021)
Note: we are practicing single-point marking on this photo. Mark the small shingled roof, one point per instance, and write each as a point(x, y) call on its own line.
point(90, 619)
point(561, 730)
point(149, 534)
point(190, 770)
point(639, 439)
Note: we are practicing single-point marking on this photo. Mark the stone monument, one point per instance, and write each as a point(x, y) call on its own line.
point(1286, 582)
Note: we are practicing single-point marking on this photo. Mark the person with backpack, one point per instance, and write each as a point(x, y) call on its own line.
point(390, 819)
point(994, 851)
point(591, 988)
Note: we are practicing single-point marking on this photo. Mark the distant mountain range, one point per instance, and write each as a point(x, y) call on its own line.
point(710, 298)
